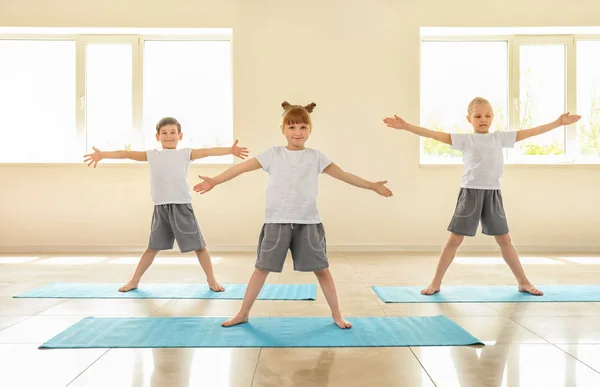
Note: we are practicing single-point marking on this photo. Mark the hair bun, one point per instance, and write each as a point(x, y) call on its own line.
point(310, 107)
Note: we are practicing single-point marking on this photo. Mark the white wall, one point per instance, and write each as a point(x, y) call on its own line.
point(359, 63)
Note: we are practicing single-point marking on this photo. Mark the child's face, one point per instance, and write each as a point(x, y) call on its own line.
point(169, 136)
point(481, 117)
point(296, 135)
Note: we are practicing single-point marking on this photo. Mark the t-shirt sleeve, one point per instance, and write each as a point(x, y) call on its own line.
point(266, 159)
point(508, 139)
point(323, 161)
point(187, 154)
point(459, 141)
point(150, 155)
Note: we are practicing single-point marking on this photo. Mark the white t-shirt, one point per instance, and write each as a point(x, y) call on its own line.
point(483, 157)
point(293, 184)
point(169, 175)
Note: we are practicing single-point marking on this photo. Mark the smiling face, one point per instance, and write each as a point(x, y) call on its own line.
point(296, 127)
point(480, 117)
point(168, 132)
point(169, 136)
point(296, 135)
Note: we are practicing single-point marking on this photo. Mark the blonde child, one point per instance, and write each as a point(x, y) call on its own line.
point(173, 217)
point(291, 218)
point(480, 198)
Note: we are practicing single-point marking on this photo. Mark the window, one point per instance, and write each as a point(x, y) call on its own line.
point(448, 85)
point(588, 98)
point(37, 102)
point(190, 81)
point(529, 79)
point(108, 96)
point(541, 97)
point(69, 92)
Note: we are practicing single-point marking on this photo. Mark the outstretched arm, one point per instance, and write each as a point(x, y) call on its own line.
point(399, 123)
point(235, 150)
point(209, 182)
point(335, 171)
point(94, 158)
point(564, 119)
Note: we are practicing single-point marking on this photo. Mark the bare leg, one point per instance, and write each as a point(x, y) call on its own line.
point(255, 285)
point(206, 264)
point(512, 260)
point(145, 262)
point(446, 258)
point(328, 286)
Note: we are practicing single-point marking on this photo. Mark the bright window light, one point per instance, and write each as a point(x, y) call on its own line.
point(37, 83)
point(161, 260)
point(542, 97)
point(191, 81)
point(500, 261)
point(583, 260)
point(447, 71)
point(68, 89)
point(13, 260)
point(108, 89)
point(71, 260)
point(588, 98)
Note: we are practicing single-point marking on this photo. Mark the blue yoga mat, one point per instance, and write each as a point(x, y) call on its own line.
point(173, 291)
point(197, 332)
point(552, 293)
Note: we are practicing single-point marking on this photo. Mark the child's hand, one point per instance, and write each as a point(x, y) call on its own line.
point(567, 119)
point(396, 122)
point(207, 184)
point(381, 189)
point(240, 152)
point(93, 158)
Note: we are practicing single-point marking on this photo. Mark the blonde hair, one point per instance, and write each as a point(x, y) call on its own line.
point(296, 114)
point(477, 101)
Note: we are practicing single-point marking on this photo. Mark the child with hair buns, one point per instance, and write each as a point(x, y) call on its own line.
point(291, 218)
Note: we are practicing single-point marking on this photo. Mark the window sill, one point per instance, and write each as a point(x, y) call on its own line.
point(118, 164)
point(519, 164)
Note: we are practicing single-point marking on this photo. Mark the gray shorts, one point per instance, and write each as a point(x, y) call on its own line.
point(172, 222)
point(475, 205)
point(306, 242)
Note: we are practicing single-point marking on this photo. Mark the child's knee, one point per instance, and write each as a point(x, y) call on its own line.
point(503, 240)
point(455, 240)
point(261, 272)
point(322, 273)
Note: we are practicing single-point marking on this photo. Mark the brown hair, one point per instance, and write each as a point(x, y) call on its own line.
point(296, 114)
point(168, 121)
point(477, 101)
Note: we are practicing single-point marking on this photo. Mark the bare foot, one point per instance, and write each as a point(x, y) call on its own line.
point(215, 287)
point(238, 319)
point(529, 288)
point(131, 285)
point(340, 322)
point(430, 289)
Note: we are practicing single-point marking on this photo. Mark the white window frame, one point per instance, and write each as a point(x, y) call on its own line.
point(215, 160)
point(136, 38)
point(136, 85)
point(429, 160)
point(512, 156)
point(570, 142)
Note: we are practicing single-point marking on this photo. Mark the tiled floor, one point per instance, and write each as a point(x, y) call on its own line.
point(527, 344)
